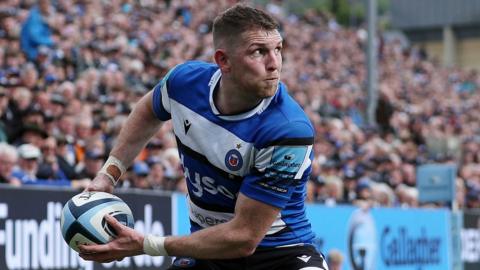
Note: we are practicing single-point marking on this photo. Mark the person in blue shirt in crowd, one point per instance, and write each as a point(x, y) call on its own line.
point(31, 169)
point(246, 150)
point(36, 31)
point(28, 164)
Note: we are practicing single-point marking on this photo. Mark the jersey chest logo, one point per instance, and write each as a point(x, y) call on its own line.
point(233, 160)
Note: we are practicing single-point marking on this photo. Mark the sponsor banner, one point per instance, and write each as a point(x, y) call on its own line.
point(181, 214)
point(470, 236)
point(384, 238)
point(30, 235)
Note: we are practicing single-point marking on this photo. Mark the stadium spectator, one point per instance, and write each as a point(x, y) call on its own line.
point(28, 164)
point(383, 195)
point(349, 187)
point(65, 157)
point(364, 193)
point(407, 197)
point(140, 175)
point(3, 107)
point(158, 180)
point(228, 118)
point(172, 163)
point(333, 191)
point(8, 159)
point(31, 134)
point(36, 30)
point(473, 199)
point(335, 259)
point(93, 161)
point(49, 167)
point(316, 185)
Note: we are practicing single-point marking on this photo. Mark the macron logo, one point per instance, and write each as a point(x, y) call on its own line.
point(186, 125)
point(304, 258)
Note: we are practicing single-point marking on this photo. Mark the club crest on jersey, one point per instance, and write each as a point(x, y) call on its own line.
point(184, 262)
point(233, 160)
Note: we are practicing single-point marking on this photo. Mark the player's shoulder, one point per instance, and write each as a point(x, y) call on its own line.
point(195, 65)
point(285, 121)
point(192, 70)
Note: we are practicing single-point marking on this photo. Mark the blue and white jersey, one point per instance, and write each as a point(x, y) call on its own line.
point(264, 153)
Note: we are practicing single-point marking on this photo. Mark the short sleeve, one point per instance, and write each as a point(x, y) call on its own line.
point(161, 99)
point(280, 164)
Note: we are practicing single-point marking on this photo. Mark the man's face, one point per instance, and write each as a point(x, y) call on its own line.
point(256, 62)
point(6, 165)
point(44, 5)
point(29, 165)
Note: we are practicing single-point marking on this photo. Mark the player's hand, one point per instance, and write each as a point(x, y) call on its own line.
point(100, 183)
point(128, 243)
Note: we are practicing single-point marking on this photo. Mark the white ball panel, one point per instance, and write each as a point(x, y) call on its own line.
point(86, 197)
point(96, 220)
point(79, 239)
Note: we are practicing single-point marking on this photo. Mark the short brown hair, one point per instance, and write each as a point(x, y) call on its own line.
point(239, 19)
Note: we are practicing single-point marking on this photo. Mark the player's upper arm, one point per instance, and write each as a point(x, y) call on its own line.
point(146, 104)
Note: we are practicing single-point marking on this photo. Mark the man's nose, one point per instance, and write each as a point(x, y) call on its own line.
point(274, 60)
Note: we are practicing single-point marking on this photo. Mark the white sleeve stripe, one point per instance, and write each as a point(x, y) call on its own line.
point(306, 163)
point(165, 98)
point(264, 157)
point(277, 225)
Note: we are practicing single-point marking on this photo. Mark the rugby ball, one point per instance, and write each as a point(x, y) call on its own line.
point(83, 218)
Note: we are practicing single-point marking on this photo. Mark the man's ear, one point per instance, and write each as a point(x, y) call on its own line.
point(222, 60)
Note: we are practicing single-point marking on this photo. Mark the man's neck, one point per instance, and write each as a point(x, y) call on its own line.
point(229, 100)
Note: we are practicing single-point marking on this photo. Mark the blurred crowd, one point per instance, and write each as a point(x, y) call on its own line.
point(72, 70)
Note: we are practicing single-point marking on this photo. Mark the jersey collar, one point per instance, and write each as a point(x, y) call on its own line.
point(257, 110)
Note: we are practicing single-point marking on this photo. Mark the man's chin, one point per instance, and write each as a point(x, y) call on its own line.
point(269, 93)
point(272, 89)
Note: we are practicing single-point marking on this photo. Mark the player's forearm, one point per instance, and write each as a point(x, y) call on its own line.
point(218, 242)
point(140, 126)
point(236, 238)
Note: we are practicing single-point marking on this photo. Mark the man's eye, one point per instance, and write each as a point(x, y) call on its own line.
point(257, 52)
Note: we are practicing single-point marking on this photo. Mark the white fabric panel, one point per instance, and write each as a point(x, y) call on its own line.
point(165, 98)
point(306, 163)
point(206, 218)
point(210, 139)
point(263, 158)
point(277, 225)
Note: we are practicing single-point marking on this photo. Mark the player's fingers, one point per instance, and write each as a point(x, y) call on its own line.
point(83, 249)
point(116, 225)
point(93, 249)
point(98, 257)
